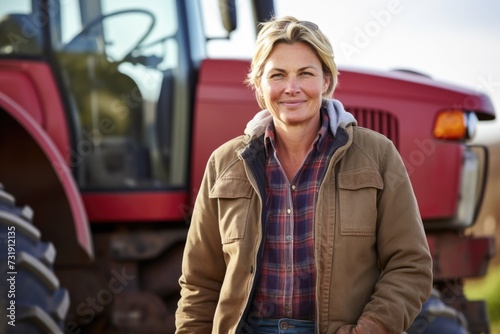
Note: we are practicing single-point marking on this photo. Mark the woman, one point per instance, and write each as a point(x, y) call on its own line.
point(307, 223)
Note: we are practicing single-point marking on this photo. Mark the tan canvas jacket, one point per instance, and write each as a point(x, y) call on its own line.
point(372, 258)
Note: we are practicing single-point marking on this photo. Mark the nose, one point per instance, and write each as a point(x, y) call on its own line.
point(292, 86)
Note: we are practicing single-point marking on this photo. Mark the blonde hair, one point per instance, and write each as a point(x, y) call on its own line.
point(290, 30)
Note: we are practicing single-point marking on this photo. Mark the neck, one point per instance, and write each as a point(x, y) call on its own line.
point(293, 144)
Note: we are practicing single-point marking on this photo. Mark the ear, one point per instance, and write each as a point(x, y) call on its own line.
point(327, 80)
point(258, 90)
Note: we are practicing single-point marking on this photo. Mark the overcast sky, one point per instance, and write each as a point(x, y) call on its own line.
point(455, 41)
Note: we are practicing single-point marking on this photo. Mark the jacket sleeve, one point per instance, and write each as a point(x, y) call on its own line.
point(403, 253)
point(203, 265)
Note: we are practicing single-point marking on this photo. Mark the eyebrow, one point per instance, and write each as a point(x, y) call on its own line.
point(300, 69)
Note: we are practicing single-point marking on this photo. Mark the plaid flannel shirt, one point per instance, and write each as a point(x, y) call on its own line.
point(287, 285)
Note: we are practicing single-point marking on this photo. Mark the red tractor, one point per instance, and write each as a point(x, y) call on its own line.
point(108, 113)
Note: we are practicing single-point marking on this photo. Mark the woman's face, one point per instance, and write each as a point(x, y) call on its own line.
point(292, 84)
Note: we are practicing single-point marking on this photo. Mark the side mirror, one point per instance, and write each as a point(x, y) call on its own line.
point(263, 10)
point(228, 14)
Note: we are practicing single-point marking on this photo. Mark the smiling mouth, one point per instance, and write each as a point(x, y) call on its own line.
point(292, 103)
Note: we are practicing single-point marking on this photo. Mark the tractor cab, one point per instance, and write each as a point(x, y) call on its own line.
point(118, 66)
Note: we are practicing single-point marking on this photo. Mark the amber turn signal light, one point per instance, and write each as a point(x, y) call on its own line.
point(455, 124)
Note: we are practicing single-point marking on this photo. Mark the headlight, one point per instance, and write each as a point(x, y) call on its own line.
point(468, 190)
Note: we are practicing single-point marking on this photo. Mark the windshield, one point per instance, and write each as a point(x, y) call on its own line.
point(119, 61)
point(20, 34)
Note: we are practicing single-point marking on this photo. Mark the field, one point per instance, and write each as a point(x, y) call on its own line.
point(487, 288)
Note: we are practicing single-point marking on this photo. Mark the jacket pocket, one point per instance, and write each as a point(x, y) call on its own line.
point(358, 201)
point(234, 196)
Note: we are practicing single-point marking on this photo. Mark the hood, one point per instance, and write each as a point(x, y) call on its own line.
point(336, 112)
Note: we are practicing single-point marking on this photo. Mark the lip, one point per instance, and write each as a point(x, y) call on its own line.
point(292, 103)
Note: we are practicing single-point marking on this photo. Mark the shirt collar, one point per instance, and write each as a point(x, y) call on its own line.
point(270, 134)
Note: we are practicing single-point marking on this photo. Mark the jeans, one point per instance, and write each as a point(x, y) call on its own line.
point(437, 318)
point(278, 326)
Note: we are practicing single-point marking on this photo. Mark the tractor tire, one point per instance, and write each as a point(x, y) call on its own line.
point(31, 296)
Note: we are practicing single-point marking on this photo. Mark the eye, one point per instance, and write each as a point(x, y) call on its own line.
point(306, 74)
point(276, 75)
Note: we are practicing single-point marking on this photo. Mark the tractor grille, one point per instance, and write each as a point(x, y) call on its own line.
point(377, 120)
